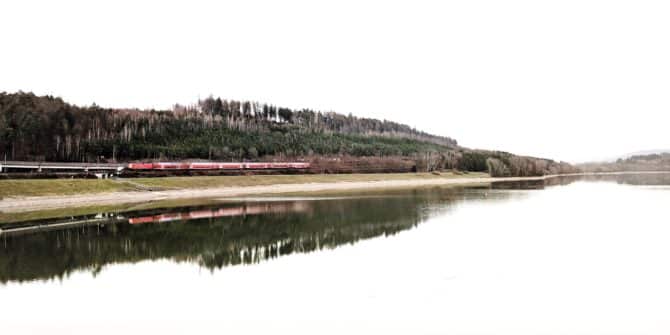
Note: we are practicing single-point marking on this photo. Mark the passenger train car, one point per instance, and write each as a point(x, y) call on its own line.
point(218, 166)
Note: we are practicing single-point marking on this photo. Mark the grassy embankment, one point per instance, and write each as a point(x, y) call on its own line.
point(58, 187)
point(53, 187)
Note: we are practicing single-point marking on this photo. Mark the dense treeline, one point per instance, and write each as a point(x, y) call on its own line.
point(498, 163)
point(251, 115)
point(49, 129)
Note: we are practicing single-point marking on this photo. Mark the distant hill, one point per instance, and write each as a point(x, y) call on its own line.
point(46, 128)
point(643, 153)
point(650, 160)
point(612, 159)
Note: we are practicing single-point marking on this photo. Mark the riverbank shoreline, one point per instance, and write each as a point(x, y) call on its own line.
point(27, 204)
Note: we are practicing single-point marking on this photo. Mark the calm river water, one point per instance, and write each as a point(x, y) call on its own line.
point(566, 256)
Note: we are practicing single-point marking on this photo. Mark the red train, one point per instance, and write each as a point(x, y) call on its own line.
point(218, 166)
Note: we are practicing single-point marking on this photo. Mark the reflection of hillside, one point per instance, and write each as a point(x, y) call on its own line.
point(628, 179)
point(536, 184)
point(633, 179)
point(216, 237)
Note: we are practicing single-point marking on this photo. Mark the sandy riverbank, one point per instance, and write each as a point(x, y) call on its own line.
point(25, 204)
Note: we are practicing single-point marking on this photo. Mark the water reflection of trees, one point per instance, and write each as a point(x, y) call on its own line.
point(245, 233)
point(255, 235)
point(535, 184)
point(624, 179)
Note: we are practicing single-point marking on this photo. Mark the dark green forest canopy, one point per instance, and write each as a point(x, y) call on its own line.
point(46, 128)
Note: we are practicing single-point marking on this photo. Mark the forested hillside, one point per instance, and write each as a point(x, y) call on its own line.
point(49, 129)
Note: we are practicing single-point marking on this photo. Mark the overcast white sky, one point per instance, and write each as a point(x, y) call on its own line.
point(570, 80)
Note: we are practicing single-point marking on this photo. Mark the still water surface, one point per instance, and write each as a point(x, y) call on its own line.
point(570, 256)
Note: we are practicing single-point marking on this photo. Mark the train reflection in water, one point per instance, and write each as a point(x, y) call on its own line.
point(218, 235)
point(252, 209)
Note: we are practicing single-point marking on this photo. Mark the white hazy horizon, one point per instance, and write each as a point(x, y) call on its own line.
point(569, 80)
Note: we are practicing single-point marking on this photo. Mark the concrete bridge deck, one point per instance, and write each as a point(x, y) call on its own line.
point(46, 166)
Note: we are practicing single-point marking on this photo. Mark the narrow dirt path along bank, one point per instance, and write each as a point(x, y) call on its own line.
point(186, 188)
